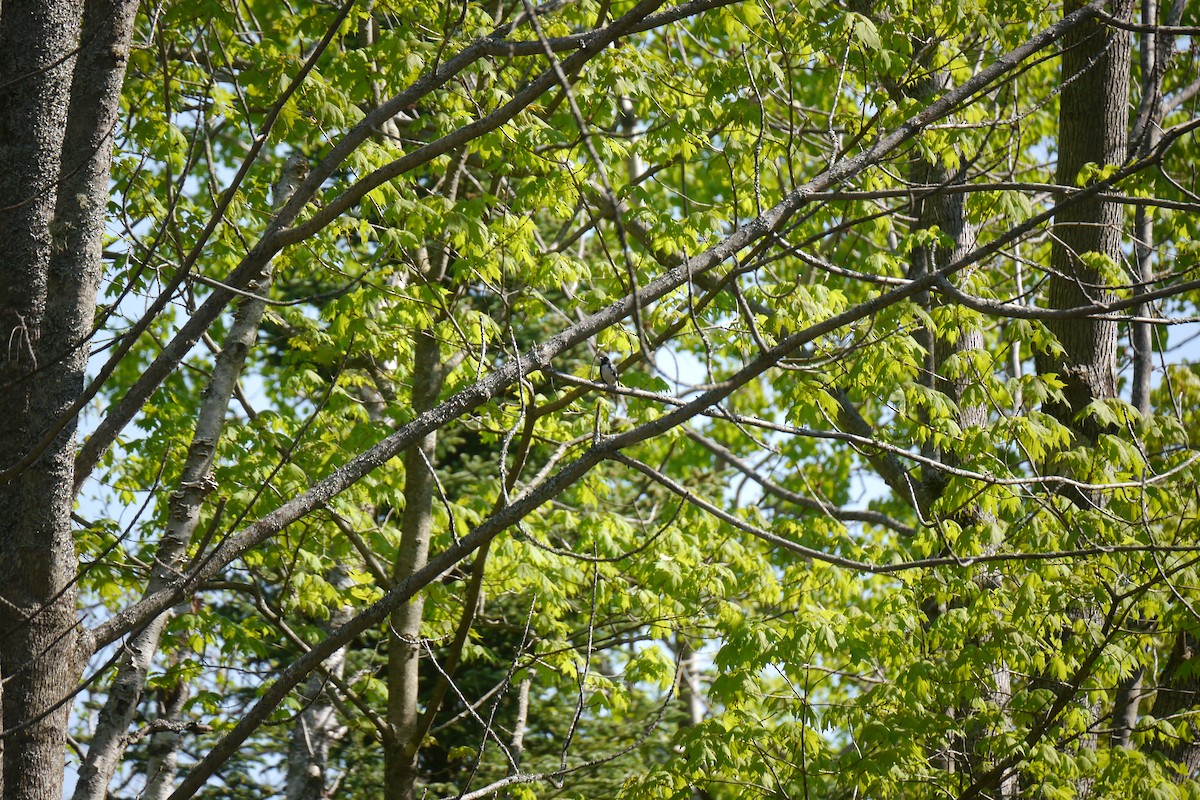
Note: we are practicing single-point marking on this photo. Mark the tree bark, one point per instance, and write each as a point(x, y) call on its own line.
point(318, 725)
point(185, 504)
point(1092, 128)
point(691, 696)
point(57, 112)
point(162, 764)
point(1125, 709)
point(404, 633)
point(36, 572)
point(1154, 52)
point(947, 212)
point(1178, 691)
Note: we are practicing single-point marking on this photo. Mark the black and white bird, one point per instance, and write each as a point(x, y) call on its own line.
point(608, 373)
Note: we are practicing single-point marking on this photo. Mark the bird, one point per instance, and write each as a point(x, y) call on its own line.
point(608, 373)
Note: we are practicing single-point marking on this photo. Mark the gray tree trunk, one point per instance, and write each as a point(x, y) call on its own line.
point(36, 570)
point(1153, 52)
point(186, 502)
point(318, 725)
point(1178, 693)
point(691, 695)
point(1093, 127)
point(162, 763)
point(947, 212)
point(404, 633)
point(57, 112)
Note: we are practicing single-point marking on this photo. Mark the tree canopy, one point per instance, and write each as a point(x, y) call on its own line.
point(312, 487)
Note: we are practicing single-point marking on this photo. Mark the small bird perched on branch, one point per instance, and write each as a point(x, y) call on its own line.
point(608, 373)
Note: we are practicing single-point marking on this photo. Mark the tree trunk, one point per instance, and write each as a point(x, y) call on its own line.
point(186, 502)
point(1125, 709)
point(37, 569)
point(404, 633)
point(1092, 128)
point(318, 725)
point(691, 695)
point(162, 763)
point(1154, 53)
point(947, 212)
point(57, 113)
point(1178, 690)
